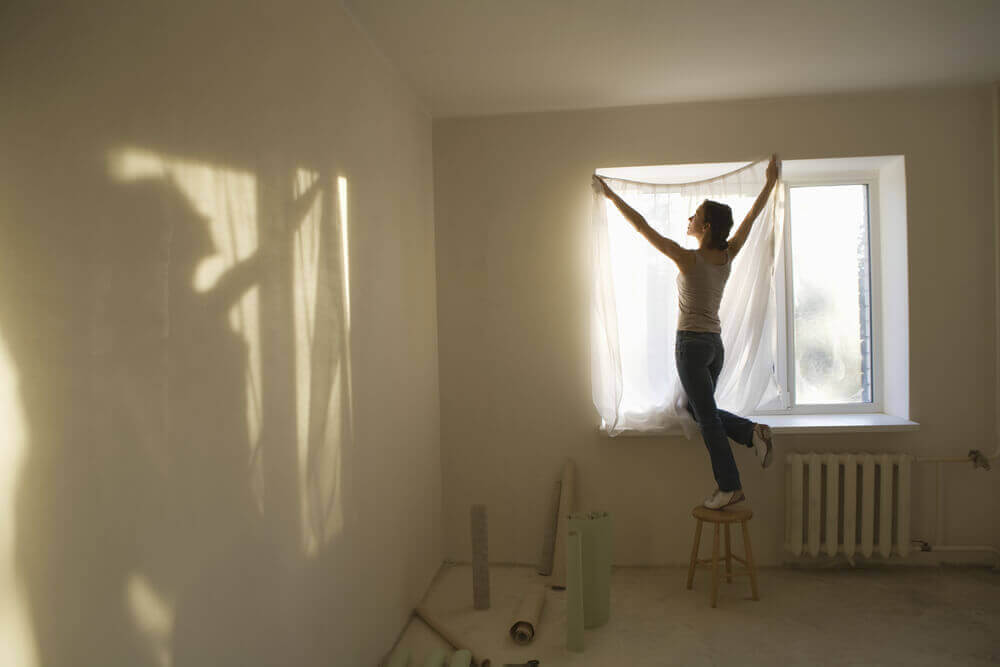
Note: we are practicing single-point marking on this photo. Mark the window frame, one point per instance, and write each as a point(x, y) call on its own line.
point(784, 300)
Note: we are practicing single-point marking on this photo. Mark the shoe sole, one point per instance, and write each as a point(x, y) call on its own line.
point(731, 502)
point(765, 435)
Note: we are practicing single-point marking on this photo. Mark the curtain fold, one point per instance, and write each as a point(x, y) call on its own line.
point(634, 302)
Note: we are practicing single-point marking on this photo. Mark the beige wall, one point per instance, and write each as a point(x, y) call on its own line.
point(996, 223)
point(102, 499)
point(512, 221)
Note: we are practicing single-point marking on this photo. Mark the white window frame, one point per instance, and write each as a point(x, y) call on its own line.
point(785, 305)
point(885, 176)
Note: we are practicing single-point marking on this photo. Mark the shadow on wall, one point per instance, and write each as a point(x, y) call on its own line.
point(175, 332)
point(179, 336)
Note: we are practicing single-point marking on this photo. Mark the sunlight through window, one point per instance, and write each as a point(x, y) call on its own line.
point(153, 616)
point(831, 282)
point(322, 355)
point(17, 645)
point(345, 247)
point(227, 266)
point(640, 272)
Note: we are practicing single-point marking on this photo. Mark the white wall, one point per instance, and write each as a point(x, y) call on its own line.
point(512, 218)
point(128, 546)
point(996, 223)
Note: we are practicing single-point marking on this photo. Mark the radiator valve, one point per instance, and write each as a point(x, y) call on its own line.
point(978, 459)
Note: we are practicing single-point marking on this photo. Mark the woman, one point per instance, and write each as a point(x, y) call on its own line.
point(699, 352)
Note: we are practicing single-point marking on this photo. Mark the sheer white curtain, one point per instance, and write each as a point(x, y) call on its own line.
point(634, 302)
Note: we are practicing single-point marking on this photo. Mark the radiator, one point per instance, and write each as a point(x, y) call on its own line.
point(851, 504)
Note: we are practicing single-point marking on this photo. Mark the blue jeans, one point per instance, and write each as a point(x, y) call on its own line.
point(699, 362)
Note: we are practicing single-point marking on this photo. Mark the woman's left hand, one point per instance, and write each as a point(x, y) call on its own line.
point(772, 168)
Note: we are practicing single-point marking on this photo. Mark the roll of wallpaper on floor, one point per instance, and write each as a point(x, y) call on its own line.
point(480, 558)
point(436, 658)
point(567, 493)
point(574, 593)
point(399, 658)
point(525, 624)
point(458, 641)
point(461, 658)
point(551, 520)
point(595, 531)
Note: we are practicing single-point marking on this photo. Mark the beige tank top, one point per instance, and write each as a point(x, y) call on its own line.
point(699, 293)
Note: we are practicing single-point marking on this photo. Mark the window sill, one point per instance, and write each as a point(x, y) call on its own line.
point(834, 423)
point(811, 424)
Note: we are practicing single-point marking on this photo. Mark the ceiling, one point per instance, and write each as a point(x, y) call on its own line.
point(477, 57)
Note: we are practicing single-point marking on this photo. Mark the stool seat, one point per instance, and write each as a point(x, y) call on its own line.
point(726, 515)
point(738, 513)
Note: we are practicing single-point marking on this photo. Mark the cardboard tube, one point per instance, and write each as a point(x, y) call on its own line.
point(456, 641)
point(551, 520)
point(524, 626)
point(480, 558)
point(574, 594)
point(566, 496)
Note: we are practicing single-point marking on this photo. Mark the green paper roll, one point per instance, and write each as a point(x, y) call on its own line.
point(567, 494)
point(595, 531)
point(436, 658)
point(400, 658)
point(461, 658)
point(574, 593)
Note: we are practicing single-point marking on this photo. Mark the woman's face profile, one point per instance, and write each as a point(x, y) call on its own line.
point(696, 223)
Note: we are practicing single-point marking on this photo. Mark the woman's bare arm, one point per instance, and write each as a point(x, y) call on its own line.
point(740, 237)
point(681, 256)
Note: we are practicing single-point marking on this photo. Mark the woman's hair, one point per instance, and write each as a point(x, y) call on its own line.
point(720, 220)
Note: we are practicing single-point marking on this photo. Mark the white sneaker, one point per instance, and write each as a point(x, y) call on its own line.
point(763, 443)
point(721, 499)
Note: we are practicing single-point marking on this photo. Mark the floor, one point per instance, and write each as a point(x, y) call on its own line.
point(906, 616)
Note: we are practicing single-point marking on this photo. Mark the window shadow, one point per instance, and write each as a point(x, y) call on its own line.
point(180, 491)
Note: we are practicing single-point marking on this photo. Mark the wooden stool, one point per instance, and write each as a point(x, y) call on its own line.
point(726, 516)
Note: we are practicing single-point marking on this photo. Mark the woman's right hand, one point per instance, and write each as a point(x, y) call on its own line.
point(600, 186)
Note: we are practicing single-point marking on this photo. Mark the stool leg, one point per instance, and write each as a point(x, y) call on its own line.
point(751, 567)
point(715, 567)
point(729, 558)
point(694, 554)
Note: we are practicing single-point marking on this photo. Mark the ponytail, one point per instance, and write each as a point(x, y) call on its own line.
point(720, 221)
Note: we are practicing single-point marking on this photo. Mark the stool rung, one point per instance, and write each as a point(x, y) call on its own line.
point(722, 570)
point(722, 559)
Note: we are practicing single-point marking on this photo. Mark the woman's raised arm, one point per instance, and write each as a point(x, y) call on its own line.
point(740, 237)
point(681, 256)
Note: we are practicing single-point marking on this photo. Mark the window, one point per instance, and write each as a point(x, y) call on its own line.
point(840, 289)
point(831, 295)
point(826, 327)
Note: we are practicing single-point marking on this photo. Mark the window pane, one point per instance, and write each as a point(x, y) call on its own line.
point(831, 288)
